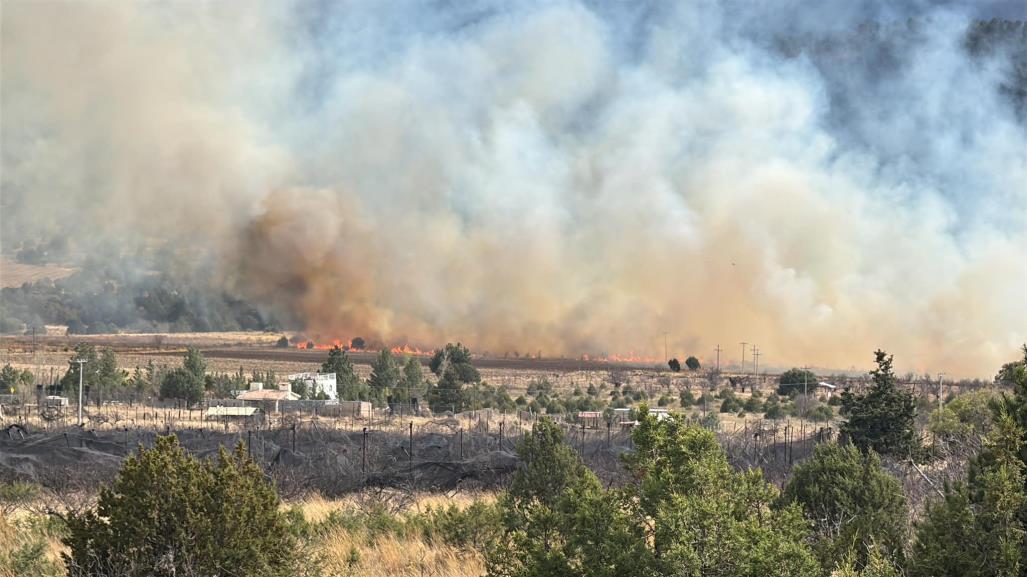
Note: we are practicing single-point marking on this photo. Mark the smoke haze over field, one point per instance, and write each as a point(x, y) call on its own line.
point(820, 178)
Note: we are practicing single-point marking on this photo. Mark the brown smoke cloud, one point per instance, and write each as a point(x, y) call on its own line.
point(547, 178)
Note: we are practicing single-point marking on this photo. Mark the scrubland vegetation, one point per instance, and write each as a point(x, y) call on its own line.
point(680, 509)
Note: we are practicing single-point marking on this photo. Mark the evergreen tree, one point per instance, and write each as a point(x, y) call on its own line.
point(692, 363)
point(702, 517)
point(1012, 372)
point(1015, 405)
point(978, 528)
point(386, 375)
point(180, 383)
point(413, 381)
point(101, 375)
point(170, 514)
point(347, 383)
point(11, 379)
point(792, 382)
point(686, 512)
point(854, 504)
point(877, 565)
point(195, 363)
point(883, 418)
point(70, 380)
point(557, 518)
point(109, 378)
point(299, 386)
point(453, 366)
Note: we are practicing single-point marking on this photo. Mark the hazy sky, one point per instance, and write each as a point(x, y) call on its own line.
point(570, 177)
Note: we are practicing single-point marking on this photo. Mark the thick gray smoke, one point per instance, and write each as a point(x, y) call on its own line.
point(575, 178)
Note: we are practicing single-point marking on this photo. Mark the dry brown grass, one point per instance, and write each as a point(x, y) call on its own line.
point(17, 533)
point(357, 553)
point(14, 274)
point(396, 557)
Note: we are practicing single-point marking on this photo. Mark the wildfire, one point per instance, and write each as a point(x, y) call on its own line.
point(629, 358)
point(322, 346)
point(311, 345)
point(411, 350)
point(408, 350)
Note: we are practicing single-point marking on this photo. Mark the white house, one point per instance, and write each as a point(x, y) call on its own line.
point(318, 384)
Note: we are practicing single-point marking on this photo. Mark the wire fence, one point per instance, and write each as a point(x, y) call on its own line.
point(312, 447)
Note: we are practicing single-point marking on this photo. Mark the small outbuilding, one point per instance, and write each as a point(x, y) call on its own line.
point(360, 409)
point(590, 419)
point(268, 399)
point(232, 413)
point(659, 413)
point(828, 388)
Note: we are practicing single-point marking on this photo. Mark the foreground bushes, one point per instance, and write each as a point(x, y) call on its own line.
point(856, 507)
point(686, 513)
point(683, 510)
point(168, 513)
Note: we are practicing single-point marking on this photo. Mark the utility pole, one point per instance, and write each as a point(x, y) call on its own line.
point(666, 357)
point(941, 377)
point(756, 363)
point(741, 367)
point(805, 390)
point(81, 369)
point(718, 349)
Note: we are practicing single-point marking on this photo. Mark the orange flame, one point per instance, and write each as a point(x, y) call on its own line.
point(311, 345)
point(408, 350)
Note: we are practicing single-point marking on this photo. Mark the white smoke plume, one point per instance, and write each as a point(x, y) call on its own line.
point(571, 178)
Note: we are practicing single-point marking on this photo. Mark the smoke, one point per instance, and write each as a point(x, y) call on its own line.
point(570, 178)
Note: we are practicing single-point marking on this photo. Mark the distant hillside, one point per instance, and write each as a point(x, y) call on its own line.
point(15, 274)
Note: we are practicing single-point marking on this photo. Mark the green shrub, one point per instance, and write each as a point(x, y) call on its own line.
point(476, 526)
point(730, 405)
point(965, 417)
point(851, 500)
point(168, 513)
point(686, 398)
point(753, 405)
point(774, 411)
point(883, 418)
point(793, 381)
point(820, 413)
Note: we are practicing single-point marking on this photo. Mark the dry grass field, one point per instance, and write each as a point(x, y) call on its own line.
point(15, 274)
